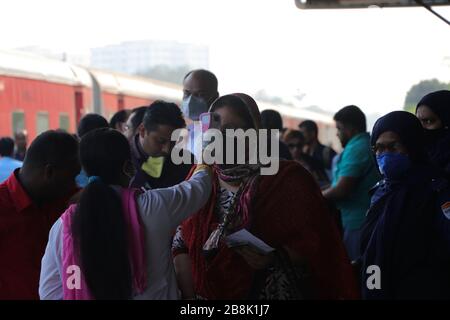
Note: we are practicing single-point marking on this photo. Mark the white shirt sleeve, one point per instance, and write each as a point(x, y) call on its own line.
point(178, 202)
point(50, 282)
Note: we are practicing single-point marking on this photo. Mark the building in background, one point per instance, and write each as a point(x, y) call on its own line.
point(137, 57)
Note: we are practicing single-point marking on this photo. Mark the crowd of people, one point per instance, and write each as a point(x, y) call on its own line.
point(107, 214)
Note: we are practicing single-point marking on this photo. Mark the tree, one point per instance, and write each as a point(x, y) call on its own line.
point(421, 89)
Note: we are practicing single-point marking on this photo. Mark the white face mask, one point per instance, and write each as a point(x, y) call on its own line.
point(192, 107)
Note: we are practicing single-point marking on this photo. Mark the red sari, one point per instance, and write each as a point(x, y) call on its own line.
point(287, 210)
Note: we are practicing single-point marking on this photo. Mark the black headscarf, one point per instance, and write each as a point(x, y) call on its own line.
point(399, 233)
point(438, 141)
point(408, 127)
point(439, 102)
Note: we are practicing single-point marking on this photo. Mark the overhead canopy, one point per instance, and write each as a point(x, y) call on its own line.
point(348, 4)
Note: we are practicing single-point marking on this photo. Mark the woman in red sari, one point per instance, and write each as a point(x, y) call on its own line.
point(285, 210)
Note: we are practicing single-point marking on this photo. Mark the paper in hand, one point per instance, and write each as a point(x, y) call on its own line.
point(245, 238)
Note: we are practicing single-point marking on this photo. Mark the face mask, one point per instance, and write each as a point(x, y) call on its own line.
point(393, 165)
point(153, 166)
point(192, 107)
point(432, 136)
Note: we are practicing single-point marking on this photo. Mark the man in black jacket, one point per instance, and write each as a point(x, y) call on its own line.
point(152, 146)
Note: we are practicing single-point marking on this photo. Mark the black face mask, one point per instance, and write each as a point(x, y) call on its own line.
point(433, 136)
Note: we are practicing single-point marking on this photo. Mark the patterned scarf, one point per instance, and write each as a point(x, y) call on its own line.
point(238, 214)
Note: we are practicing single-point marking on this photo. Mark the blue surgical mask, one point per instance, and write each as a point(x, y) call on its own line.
point(393, 165)
point(192, 107)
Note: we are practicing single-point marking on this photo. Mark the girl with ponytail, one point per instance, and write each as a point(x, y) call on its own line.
point(115, 242)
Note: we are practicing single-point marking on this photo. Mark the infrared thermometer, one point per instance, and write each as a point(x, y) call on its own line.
point(209, 120)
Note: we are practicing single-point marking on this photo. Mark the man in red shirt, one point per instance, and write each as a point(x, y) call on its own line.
point(31, 200)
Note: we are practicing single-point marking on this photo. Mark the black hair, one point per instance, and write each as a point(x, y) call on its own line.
point(98, 225)
point(6, 147)
point(294, 134)
point(54, 147)
point(238, 106)
point(205, 74)
point(91, 122)
point(118, 117)
point(163, 113)
point(271, 119)
point(138, 116)
point(309, 125)
point(352, 116)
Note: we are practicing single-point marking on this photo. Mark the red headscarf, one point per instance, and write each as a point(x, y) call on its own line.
point(252, 107)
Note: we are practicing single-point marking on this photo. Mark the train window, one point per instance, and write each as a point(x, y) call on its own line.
point(18, 121)
point(64, 122)
point(41, 122)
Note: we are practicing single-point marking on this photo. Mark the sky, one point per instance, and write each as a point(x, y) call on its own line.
point(367, 57)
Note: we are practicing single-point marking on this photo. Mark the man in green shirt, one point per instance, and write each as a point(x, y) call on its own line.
point(354, 175)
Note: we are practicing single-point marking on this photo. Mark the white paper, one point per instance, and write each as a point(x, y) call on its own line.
point(243, 238)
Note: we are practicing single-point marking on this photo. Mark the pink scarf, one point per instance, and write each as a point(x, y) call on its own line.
point(136, 242)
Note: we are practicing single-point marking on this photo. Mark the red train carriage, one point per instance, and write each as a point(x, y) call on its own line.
point(293, 116)
point(37, 94)
point(114, 91)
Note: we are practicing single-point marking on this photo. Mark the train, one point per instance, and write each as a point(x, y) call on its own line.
point(38, 94)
